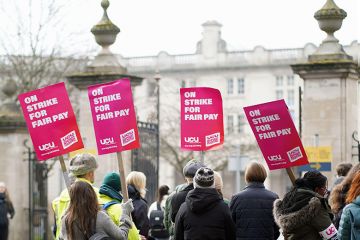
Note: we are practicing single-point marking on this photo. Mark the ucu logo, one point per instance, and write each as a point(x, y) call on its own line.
point(107, 141)
point(47, 146)
point(330, 231)
point(191, 139)
point(275, 157)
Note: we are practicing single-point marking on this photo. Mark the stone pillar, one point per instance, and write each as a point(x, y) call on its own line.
point(104, 68)
point(329, 105)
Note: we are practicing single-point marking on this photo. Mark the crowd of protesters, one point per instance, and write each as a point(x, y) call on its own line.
point(197, 209)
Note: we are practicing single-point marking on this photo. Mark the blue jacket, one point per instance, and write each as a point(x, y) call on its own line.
point(251, 210)
point(349, 228)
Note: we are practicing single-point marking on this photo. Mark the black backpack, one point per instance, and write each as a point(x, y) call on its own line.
point(157, 228)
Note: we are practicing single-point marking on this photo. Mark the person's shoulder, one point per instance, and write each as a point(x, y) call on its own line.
point(271, 194)
point(102, 216)
point(182, 209)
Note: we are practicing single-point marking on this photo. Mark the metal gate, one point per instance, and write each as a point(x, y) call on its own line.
point(146, 158)
point(38, 213)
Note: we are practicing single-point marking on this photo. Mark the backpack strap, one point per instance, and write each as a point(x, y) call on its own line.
point(158, 206)
point(108, 204)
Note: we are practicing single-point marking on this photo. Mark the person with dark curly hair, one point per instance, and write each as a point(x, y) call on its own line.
point(304, 212)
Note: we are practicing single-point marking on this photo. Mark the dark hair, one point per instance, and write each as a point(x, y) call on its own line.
point(312, 179)
point(162, 191)
point(343, 168)
point(82, 210)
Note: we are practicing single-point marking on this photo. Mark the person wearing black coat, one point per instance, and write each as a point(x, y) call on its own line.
point(189, 172)
point(251, 209)
point(136, 187)
point(204, 214)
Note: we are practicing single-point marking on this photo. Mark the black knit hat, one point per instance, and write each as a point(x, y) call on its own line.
point(204, 178)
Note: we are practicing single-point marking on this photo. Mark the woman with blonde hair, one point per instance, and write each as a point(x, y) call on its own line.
point(83, 218)
point(6, 211)
point(253, 203)
point(136, 182)
point(350, 218)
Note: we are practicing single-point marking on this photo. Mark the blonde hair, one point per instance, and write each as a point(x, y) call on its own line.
point(218, 181)
point(255, 172)
point(138, 180)
point(5, 190)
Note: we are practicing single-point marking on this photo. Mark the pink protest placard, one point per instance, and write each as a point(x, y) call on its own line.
point(276, 134)
point(51, 121)
point(114, 116)
point(202, 125)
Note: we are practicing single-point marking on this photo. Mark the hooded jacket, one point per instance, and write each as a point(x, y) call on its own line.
point(350, 221)
point(139, 215)
point(115, 213)
point(304, 214)
point(204, 215)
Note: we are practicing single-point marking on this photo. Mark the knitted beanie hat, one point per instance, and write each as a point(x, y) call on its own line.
point(112, 180)
point(204, 178)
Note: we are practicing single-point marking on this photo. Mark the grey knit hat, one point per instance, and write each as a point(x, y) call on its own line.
point(82, 164)
point(204, 178)
point(191, 167)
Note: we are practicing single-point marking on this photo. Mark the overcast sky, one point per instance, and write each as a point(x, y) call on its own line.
point(150, 26)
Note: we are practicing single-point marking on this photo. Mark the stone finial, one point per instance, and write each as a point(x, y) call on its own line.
point(105, 31)
point(105, 34)
point(9, 88)
point(9, 108)
point(330, 18)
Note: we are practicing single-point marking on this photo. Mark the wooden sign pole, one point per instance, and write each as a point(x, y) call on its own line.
point(64, 171)
point(124, 189)
point(291, 175)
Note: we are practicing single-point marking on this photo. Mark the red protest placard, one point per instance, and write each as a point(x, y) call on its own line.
point(202, 125)
point(114, 117)
point(51, 121)
point(276, 134)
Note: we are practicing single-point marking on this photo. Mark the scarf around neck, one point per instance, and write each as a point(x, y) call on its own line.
point(109, 191)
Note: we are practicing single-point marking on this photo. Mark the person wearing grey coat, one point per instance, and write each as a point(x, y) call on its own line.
point(84, 220)
point(105, 225)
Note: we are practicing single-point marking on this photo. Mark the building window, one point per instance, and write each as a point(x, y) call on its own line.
point(290, 80)
point(279, 81)
point(290, 97)
point(230, 86)
point(241, 86)
point(230, 124)
point(241, 123)
point(279, 94)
